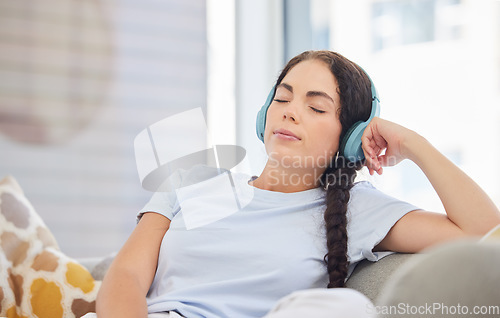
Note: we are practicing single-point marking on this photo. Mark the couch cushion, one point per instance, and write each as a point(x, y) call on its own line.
point(369, 277)
point(101, 268)
point(446, 281)
point(36, 278)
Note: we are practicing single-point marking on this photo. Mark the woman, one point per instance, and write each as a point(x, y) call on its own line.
point(242, 264)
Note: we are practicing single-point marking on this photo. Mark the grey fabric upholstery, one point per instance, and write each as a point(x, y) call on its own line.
point(99, 269)
point(369, 277)
point(446, 281)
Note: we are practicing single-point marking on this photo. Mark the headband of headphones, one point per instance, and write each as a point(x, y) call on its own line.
point(350, 146)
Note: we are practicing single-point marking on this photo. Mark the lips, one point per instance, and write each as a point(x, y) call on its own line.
point(285, 134)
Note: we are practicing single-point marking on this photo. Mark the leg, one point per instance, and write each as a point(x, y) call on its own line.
point(322, 302)
point(155, 315)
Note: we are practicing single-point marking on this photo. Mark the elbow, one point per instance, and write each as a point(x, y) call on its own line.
point(122, 291)
point(483, 226)
point(493, 226)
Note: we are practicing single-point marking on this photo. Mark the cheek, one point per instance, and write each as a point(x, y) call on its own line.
point(327, 141)
point(328, 135)
point(324, 152)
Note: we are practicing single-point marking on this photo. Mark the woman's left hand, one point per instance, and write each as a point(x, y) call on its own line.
point(469, 210)
point(380, 135)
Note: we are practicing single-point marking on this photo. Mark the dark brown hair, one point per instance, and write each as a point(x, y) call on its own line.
point(354, 89)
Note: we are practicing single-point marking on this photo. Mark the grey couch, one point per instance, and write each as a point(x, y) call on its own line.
point(458, 276)
point(456, 279)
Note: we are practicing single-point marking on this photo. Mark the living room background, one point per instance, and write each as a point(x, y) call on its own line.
point(80, 80)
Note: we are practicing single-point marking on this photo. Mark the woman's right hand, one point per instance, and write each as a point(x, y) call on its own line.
point(125, 285)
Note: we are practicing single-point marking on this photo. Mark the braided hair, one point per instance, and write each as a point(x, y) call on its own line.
point(354, 89)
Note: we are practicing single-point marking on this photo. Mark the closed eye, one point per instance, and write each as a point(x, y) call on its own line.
point(319, 111)
point(280, 100)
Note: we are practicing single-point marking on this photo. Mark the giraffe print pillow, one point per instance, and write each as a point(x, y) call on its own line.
point(36, 278)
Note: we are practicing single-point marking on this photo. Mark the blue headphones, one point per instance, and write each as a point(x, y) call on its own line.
point(350, 146)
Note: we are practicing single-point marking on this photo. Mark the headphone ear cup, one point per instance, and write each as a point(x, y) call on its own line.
point(350, 147)
point(261, 123)
point(260, 126)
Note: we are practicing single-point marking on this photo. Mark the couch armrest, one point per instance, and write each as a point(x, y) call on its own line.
point(97, 266)
point(459, 274)
point(369, 277)
point(89, 262)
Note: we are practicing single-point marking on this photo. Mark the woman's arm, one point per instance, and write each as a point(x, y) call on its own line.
point(125, 285)
point(469, 210)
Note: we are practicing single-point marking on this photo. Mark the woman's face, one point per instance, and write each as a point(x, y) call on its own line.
point(302, 125)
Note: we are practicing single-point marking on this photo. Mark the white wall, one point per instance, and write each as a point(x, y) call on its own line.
point(259, 58)
point(447, 89)
point(85, 185)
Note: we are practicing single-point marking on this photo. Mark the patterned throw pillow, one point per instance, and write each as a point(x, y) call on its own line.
point(36, 278)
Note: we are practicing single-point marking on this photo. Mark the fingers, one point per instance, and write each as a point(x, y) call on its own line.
point(374, 165)
point(381, 143)
point(372, 153)
point(371, 161)
point(376, 146)
point(372, 141)
point(372, 148)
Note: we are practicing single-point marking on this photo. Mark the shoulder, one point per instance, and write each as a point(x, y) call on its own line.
point(165, 200)
point(369, 203)
point(186, 177)
point(363, 186)
point(365, 192)
point(371, 214)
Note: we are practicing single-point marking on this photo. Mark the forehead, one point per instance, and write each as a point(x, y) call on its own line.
point(311, 75)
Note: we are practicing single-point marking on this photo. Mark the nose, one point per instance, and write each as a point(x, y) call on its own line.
point(290, 114)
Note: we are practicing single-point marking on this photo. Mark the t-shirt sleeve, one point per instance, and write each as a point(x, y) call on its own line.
point(371, 214)
point(164, 203)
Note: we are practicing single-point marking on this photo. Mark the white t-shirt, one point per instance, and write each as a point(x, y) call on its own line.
point(233, 250)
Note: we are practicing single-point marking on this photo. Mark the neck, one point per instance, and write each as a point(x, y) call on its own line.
point(280, 179)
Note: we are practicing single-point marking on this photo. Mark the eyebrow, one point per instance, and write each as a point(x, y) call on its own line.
point(308, 94)
point(319, 93)
point(285, 85)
